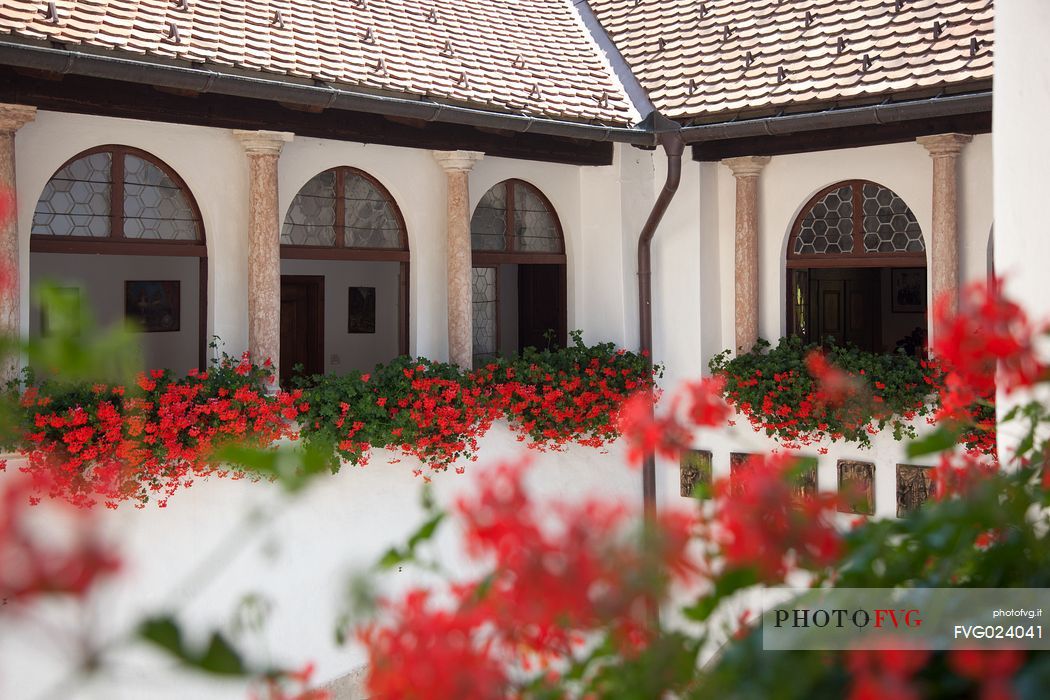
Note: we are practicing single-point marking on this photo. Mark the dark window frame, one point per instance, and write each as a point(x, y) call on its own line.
point(512, 256)
point(116, 243)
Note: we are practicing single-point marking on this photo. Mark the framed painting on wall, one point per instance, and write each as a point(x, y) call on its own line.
point(362, 311)
point(153, 305)
point(908, 289)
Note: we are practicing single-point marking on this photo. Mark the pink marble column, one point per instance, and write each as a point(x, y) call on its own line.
point(944, 255)
point(746, 170)
point(263, 148)
point(457, 166)
point(12, 118)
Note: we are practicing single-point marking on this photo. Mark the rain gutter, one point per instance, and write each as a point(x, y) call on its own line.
point(884, 113)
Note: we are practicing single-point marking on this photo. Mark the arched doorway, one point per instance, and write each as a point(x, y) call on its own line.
point(856, 270)
point(344, 276)
point(120, 230)
point(518, 276)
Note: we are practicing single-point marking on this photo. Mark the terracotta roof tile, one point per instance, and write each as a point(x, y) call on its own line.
point(531, 56)
point(716, 57)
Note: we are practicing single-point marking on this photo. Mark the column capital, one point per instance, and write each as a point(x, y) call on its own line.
point(263, 143)
point(14, 117)
point(461, 161)
point(746, 166)
point(944, 144)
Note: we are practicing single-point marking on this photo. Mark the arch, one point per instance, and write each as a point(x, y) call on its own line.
point(856, 269)
point(344, 214)
point(519, 270)
point(117, 200)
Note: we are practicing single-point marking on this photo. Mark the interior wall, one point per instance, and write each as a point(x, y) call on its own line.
point(100, 279)
point(344, 351)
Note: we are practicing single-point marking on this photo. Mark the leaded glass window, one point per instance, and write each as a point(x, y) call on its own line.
point(828, 226)
point(485, 323)
point(311, 218)
point(154, 204)
point(889, 225)
point(344, 208)
point(856, 219)
point(514, 217)
point(488, 227)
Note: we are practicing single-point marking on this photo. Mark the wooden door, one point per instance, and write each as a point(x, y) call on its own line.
point(302, 325)
point(541, 305)
point(845, 306)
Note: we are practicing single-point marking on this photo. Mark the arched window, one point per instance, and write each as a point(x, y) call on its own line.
point(344, 275)
point(117, 195)
point(856, 264)
point(117, 209)
point(347, 209)
point(519, 285)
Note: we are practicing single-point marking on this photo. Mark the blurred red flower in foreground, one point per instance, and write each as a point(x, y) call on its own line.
point(31, 564)
point(555, 573)
point(647, 433)
point(993, 669)
point(987, 331)
point(879, 674)
point(764, 519)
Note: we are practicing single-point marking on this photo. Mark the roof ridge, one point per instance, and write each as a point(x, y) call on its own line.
point(618, 66)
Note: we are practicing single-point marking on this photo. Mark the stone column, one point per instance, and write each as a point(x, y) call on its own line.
point(457, 166)
point(746, 170)
point(944, 254)
point(263, 148)
point(12, 118)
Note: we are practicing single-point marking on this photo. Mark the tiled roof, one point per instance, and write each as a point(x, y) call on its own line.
point(720, 57)
point(528, 56)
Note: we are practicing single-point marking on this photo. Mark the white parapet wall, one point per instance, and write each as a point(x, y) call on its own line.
point(885, 453)
point(223, 540)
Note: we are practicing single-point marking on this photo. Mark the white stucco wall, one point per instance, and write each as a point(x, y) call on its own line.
point(1022, 171)
point(789, 181)
point(588, 202)
point(1022, 150)
point(297, 554)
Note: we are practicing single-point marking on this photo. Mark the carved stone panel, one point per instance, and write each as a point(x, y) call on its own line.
point(857, 487)
point(737, 463)
point(914, 487)
point(805, 483)
point(696, 470)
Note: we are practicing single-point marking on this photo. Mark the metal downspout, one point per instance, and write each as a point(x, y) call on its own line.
point(669, 137)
